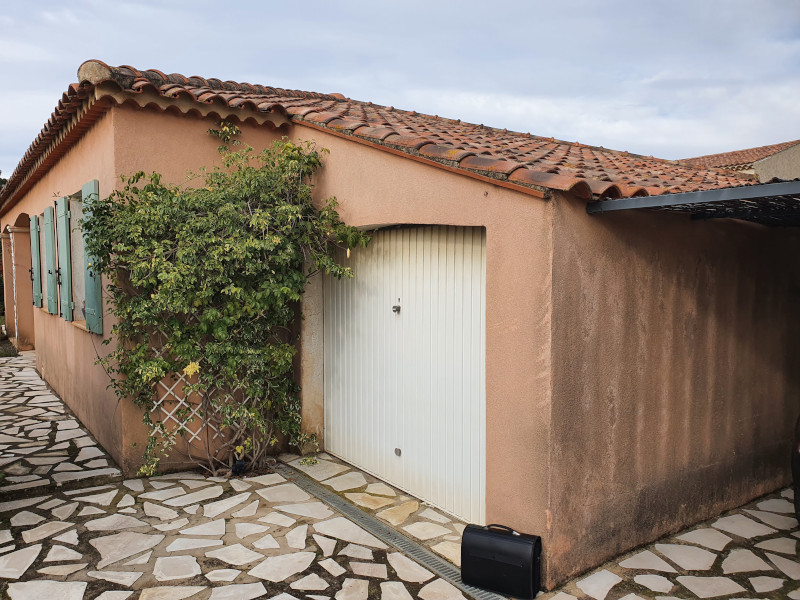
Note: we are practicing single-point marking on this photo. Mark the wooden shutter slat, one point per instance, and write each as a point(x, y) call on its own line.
point(92, 278)
point(50, 261)
point(36, 262)
point(64, 258)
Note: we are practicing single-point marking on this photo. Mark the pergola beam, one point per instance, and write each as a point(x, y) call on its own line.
point(762, 191)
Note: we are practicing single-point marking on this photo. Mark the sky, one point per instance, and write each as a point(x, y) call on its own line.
point(669, 78)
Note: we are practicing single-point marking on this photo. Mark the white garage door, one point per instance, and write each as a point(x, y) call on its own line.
point(405, 361)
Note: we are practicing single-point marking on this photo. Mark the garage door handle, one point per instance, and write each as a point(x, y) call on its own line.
point(396, 307)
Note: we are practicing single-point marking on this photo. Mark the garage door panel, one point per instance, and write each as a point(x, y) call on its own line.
point(411, 380)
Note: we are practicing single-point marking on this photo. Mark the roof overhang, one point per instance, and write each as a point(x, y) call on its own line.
point(776, 204)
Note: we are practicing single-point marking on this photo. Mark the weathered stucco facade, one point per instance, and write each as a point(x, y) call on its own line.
point(675, 386)
point(640, 367)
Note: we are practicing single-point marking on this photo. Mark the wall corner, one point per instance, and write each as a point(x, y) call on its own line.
point(310, 371)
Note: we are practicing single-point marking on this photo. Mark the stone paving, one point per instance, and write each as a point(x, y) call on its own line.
point(750, 552)
point(188, 536)
point(41, 442)
point(424, 524)
point(175, 536)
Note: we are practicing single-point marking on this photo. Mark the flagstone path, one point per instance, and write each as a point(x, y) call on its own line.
point(41, 442)
point(188, 536)
point(750, 552)
point(424, 524)
point(170, 537)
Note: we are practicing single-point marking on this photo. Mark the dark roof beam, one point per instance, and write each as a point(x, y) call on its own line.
point(744, 193)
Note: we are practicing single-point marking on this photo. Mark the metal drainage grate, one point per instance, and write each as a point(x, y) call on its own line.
point(391, 536)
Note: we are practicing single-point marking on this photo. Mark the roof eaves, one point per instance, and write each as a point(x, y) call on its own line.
point(77, 110)
point(102, 87)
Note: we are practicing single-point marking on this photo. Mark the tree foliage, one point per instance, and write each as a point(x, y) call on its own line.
point(206, 281)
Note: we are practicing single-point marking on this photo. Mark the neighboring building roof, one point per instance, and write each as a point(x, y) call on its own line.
point(518, 159)
point(737, 160)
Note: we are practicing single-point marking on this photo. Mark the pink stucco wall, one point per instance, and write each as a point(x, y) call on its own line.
point(676, 348)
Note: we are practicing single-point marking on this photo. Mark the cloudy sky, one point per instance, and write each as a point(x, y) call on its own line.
point(671, 78)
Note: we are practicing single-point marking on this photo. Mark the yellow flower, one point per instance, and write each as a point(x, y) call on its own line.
point(192, 368)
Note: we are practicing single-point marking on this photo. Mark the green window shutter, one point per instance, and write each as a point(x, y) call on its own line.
point(64, 258)
point(36, 262)
point(50, 261)
point(94, 289)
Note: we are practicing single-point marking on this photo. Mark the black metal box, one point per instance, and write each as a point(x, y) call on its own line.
point(499, 559)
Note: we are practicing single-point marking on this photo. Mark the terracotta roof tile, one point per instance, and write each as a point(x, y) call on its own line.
point(737, 159)
point(414, 142)
point(346, 124)
point(519, 158)
point(323, 117)
point(490, 165)
point(444, 152)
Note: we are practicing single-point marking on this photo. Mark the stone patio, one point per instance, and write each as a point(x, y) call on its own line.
point(41, 443)
point(184, 535)
point(188, 536)
point(424, 524)
point(750, 552)
point(175, 536)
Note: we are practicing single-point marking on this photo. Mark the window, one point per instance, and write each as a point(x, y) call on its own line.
point(70, 283)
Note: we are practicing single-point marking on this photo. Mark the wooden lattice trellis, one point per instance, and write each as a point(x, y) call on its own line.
point(185, 414)
point(200, 427)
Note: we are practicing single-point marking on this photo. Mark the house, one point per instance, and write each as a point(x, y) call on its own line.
point(597, 379)
point(776, 161)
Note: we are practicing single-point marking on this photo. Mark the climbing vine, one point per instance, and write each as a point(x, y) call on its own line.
point(205, 281)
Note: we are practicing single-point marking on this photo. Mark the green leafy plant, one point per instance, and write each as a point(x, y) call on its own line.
point(206, 281)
